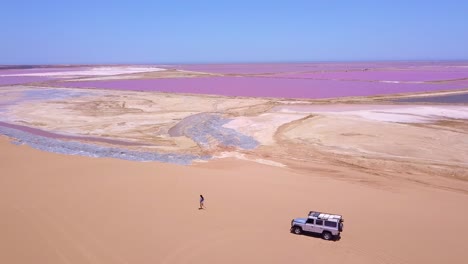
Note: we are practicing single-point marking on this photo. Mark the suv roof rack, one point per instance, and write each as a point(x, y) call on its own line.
point(325, 216)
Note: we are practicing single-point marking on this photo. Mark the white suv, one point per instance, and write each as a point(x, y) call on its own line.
point(328, 225)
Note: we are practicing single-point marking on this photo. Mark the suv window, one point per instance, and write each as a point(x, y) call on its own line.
point(330, 224)
point(310, 221)
point(319, 222)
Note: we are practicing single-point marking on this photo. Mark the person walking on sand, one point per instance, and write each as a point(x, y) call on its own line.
point(202, 199)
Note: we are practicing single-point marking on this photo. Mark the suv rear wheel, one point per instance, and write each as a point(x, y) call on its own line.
point(297, 230)
point(327, 235)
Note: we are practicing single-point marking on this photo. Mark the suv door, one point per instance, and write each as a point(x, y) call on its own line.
point(309, 225)
point(318, 227)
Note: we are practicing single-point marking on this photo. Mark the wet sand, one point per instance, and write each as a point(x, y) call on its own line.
point(47, 134)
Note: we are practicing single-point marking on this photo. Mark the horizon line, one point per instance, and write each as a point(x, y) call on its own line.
point(238, 62)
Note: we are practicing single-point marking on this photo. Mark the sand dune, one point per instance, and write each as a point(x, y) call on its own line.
point(68, 209)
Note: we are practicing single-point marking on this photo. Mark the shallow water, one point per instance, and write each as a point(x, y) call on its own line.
point(381, 75)
point(259, 68)
point(92, 150)
point(33, 94)
point(51, 94)
point(11, 80)
point(265, 87)
point(208, 131)
point(442, 99)
point(42, 133)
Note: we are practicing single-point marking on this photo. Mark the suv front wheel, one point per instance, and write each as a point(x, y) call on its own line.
point(297, 230)
point(327, 235)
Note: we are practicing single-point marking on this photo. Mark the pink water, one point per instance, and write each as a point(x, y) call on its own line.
point(294, 80)
point(265, 87)
point(270, 68)
point(21, 80)
point(382, 75)
point(262, 68)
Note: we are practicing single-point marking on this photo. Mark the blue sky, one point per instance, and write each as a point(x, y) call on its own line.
point(48, 32)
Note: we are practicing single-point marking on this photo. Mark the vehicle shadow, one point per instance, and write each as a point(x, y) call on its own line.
point(319, 236)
